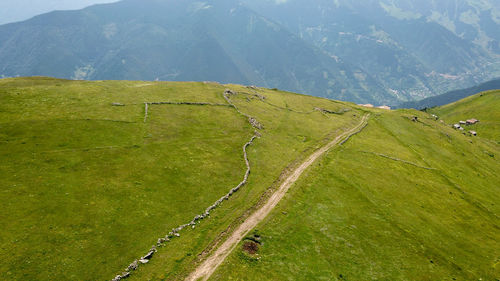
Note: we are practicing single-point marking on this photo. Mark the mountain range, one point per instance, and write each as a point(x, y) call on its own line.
point(381, 52)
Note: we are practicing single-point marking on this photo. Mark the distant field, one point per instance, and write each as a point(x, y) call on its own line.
point(402, 200)
point(88, 187)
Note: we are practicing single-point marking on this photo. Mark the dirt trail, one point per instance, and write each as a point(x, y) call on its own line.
point(208, 267)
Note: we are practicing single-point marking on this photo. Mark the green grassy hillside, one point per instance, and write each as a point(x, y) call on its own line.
point(361, 214)
point(88, 187)
point(483, 107)
point(402, 200)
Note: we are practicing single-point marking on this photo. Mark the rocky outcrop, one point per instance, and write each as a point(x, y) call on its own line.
point(255, 93)
point(255, 123)
point(227, 96)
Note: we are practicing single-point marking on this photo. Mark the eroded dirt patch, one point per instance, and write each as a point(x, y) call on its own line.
point(250, 247)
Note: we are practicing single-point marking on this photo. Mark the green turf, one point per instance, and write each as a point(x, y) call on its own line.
point(429, 213)
point(88, 187)
point(482, 106)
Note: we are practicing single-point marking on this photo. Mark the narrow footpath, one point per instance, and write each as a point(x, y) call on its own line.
point(208, 266)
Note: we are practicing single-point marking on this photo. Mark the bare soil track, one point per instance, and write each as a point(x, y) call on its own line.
point(208, 266)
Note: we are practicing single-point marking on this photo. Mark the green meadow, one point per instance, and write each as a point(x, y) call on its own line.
point(88, 184)
point(482, 106)
point(88, 187)
point(402, 200)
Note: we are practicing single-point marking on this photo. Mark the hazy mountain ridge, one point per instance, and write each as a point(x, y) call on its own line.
point(171, 40)
point(342, 49)
point(473, 20)
point(412, 56)
point(12, 11)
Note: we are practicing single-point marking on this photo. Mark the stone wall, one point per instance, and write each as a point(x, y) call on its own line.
point(175, 232)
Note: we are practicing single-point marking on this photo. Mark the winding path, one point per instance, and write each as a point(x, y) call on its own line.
point(208, 266)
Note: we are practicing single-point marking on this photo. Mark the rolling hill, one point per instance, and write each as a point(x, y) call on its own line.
point(402, 200)
point(482, 106)
point(97, 175)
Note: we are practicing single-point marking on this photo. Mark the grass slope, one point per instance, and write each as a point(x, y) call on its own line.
point(88, 187)
point(483, 106)
point(402, 200)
